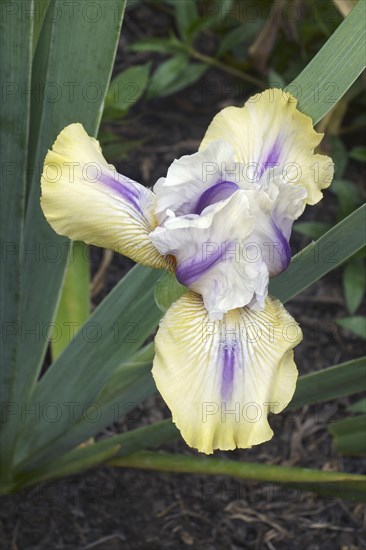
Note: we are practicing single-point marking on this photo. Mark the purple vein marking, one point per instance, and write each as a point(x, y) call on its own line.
point(218, 192)
point(283, 254)
point(272, 158)
point(124, 187)
point(228, 371)
point(193, 268)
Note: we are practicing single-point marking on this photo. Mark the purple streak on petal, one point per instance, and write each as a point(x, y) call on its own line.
point(193, 268)
point(124, 187)
point(228, 372)
point(282, 254)
point(218, 192)
point(271, 159)
point(273, 155)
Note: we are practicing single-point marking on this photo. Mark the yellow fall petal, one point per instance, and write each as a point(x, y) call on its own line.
point(269, 131)
point(221, 378)
point(85, 199)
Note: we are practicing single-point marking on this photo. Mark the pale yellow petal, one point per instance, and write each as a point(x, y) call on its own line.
point(270, 131)
point(221, 378)
point(85, 199)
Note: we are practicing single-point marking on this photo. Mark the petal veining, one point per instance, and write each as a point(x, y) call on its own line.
point(221, 379)
point(85, 199)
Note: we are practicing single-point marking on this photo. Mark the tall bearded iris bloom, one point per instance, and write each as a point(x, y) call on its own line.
point(221, 219)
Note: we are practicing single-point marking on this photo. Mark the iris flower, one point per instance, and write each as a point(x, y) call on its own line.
point(221, 219)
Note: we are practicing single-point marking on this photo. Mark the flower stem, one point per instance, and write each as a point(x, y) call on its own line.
point(227, 68)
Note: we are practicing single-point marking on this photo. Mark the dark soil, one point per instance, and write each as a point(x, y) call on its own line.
point(127, 509)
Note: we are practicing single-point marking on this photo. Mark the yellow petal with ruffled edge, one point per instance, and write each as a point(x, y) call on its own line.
point(220, 379)
point(85, 199)
point(269, 131)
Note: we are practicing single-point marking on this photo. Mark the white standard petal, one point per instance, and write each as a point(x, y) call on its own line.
point(274, 212)
point(211, 255)
point(190, 176)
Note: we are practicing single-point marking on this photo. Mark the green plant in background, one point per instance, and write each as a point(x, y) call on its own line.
point(105, 368)
point(186, 63)
point(242, 39)
point(124, 91)
point(48, 51)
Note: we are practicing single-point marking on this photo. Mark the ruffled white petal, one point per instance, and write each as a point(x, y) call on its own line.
point(189, 176)
point(228, 253)
point(211, 255)
point(275, 211)
point(220, 379)
point(85, 199)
